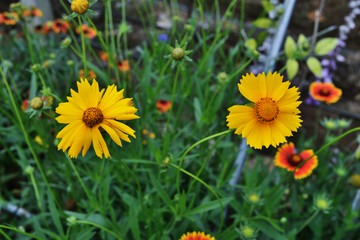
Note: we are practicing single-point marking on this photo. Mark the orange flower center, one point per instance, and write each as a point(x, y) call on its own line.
point(266, 110)
point(295, 160)
point(92, 116)
point(324, 92)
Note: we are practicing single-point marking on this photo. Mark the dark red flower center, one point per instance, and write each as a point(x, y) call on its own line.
point(324, 92)
point(295, 159)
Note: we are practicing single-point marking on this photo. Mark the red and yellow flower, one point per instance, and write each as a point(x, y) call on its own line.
point(91, 74)
point(163, 105)
point(33, 12)
point(286, 157)
point(60, 26)
point(88, 31)
point(196, 236)
point(123, 65)
point(9, 18)
point(325, 92)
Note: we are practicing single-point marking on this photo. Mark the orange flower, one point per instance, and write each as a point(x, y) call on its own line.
point(196, 236)
point(286, 157)
point(163, 105)
point(91, 74)
point(103, 56)
point(325, 92)
point(9, 18)
point(43, 29)
point(60, 26)
point(34, 12)
point(123, 66)
point(25, 105)
point(88, 31)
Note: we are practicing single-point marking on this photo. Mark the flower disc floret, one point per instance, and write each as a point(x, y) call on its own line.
point(92, 117)
point(273, 113)
point(178, 54)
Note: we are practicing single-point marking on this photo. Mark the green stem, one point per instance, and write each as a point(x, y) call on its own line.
point(191, 147)
point(208, 187)
point(27, 140)
point(166, 141)
point(79, 178)
point(308, 221)
point(19, 231)
point(37, 195)
point(83, 47)
point(101, 227)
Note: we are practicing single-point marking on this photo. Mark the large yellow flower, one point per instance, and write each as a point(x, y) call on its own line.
point(273, 113)
point(86, 111)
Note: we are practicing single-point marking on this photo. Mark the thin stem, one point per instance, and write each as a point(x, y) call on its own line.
point(166, 144)
point(83, 46)
point(79, 178)
point(27, 140)
point(101, 227)
point(19, 231)
point(308, 221)
point(316, 24)
point(191, 147)
point(37, 195)
point(208, 187)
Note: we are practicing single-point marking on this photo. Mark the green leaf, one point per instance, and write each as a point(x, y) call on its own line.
point(133, 219)
point(268, 230)
point(290, 47)
point(267, 5)
point(55, 216)
point(292, 68)
point(326, 45)
point(251, 44)
point(314, 66)
point(303, 45)
point(208, 206)
point(197, 109)
point(262, 23)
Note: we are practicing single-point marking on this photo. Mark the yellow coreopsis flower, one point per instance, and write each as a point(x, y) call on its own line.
point(89, 109)
point(273, 113)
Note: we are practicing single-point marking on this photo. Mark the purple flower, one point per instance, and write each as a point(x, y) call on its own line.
point(163, 38)
point(310, 101)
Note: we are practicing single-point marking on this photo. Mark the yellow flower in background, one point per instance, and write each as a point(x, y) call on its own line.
point(89, 109)
point(196, 236)
point(273, 113)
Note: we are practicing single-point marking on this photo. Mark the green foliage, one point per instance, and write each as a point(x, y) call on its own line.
point(142, 192)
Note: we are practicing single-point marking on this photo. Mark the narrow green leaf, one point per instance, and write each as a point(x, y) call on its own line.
point(267, 229)
point(262, 23)
point(326, 45)
point(55, 216)
point(267, 5)
point(290, 47)
point(207, 206)
point(303, 45)
point(134, 223)
point(197, 109)
point(314, 66)
point(292, 68)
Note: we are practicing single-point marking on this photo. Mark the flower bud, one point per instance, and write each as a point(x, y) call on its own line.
point(79, 6)
point(36, 103)
point(355, 180)
point(178, 54)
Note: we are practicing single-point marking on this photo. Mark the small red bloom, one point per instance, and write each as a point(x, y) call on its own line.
point(196, 236)
point(286, 157)
point(163, 105)
point(88, 31)
point(60, 26)
point(25, 105)
point(123, 66)
point(325, 92)
point(9, 18)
